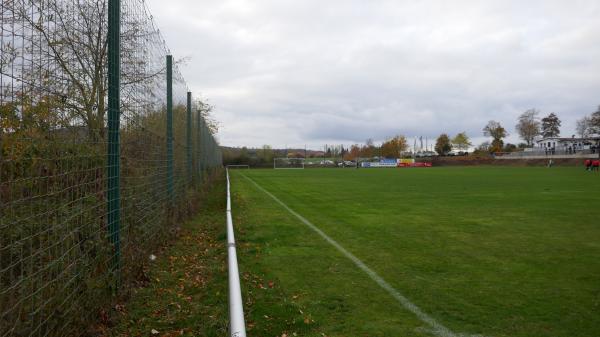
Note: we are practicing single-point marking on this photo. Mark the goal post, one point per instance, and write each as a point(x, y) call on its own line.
point(288, 163)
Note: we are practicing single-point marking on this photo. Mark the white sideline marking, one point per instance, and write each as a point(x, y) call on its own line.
point(438, 328)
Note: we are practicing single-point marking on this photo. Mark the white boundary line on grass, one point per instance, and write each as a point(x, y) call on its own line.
point(438, 328)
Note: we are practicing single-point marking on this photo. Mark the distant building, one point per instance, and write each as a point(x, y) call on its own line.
point(561, 144)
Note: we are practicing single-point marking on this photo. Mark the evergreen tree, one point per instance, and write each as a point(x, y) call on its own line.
point(551, 126)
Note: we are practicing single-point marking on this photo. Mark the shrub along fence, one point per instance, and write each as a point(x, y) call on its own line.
point(102, 150)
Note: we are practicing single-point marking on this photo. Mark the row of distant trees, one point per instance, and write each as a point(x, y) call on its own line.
point(530, 126)
point(398, 146)
point(392, 147)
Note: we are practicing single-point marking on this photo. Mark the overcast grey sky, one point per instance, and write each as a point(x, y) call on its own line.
point(340, 71)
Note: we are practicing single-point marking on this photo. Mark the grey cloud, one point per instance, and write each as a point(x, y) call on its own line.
point(313, 72)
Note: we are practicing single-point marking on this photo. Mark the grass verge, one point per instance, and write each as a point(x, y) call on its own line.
point(186, 292)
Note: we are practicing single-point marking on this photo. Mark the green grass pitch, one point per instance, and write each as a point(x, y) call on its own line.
point(490, 251)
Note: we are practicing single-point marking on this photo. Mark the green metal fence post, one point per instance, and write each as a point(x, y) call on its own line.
point(189, 136)
point(113, 151)
point(170, 128)
point(204, 149)
point(199, 140)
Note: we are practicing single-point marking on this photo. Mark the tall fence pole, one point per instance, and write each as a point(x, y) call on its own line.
point(204, 147)
point(199, 142)
point(206, 141)
point(189, 136)
point(113, 155)
point(202, 144)
point(170, 128)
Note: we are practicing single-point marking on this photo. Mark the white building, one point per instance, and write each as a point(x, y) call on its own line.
point(560, 144)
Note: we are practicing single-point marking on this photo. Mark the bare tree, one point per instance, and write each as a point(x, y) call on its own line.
point(206, 111)
point(528, 125)
point(584, 126)
point(595, 122)
point(65, 56)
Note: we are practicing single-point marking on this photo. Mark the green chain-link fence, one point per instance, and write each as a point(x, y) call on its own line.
point(96, 165)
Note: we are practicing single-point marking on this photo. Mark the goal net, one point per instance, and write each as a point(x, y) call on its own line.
point(288, 163)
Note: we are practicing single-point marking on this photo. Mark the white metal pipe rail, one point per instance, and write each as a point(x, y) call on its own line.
point(237, 327)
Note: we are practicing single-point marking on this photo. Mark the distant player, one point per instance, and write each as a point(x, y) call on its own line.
point(588, 164)
point(596, 165)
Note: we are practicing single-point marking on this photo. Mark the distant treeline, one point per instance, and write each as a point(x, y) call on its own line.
point(263, 157)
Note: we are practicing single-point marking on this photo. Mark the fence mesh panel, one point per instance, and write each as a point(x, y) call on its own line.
point(56, 259)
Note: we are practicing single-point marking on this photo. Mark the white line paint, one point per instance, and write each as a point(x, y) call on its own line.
point(437, 328)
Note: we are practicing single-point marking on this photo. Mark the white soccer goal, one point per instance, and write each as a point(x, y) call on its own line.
point(288, 163)
point(238, 166)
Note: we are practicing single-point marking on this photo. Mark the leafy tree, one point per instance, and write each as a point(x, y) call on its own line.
point(497, 132)
point(354, 152)
point(368, 150)
point(244, 157)
point(29, 118)
point(266, 154)
point(528, 126)
point(551, 126)
point(510, 147)
point(393, 147)
point(443, 145)
point(401, 144)
point(387, 149)
point(461, 141)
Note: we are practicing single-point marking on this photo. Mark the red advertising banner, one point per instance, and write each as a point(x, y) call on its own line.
point(417, 164)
